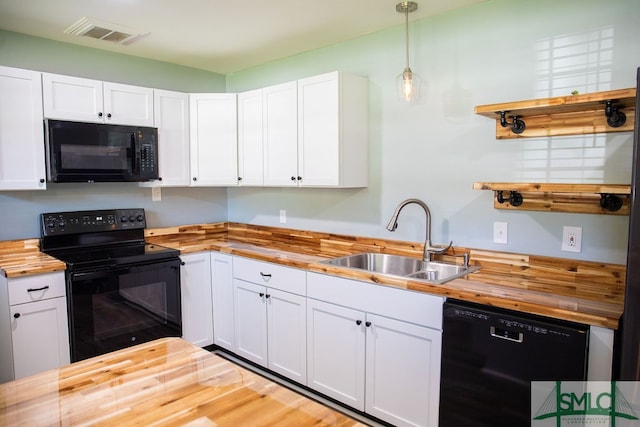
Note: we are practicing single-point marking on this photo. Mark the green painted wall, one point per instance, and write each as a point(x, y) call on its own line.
point(34, 53)
point(496, 51)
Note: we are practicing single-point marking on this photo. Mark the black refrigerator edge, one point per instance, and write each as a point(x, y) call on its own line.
point(628, 357)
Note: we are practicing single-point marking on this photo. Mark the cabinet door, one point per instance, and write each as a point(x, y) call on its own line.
point(214, 139)
point(250, 163)
point(195, 290)
point(40, 336)
point(318, 130)
point(250, 321)
point(336, 352)
point(171, 115)
point(128, 105)
point(333, 130)
point(402, 372)
point(280, 135)
point(223, 301)
point(287, 332)
point(72, 98)
point(22, 158)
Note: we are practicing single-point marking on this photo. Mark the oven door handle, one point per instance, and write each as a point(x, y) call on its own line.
point(94, 274)
point(114, 268)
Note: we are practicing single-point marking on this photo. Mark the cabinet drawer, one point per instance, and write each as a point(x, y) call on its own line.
point(401, 304)
point(271, 275)
point(36, 288)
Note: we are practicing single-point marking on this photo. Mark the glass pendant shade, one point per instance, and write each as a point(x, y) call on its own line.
point(408, 85)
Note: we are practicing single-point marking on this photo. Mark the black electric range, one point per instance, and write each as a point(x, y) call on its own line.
point(121, 291)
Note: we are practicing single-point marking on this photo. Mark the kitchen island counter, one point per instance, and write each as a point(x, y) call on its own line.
point(164, 382)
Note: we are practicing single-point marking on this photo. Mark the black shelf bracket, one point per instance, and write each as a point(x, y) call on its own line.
point(515, 198)
point(615, 117)
point(610, 202)
point(517, 125)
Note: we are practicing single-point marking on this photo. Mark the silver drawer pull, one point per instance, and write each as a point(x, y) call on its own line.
point(506, 335)
point(38, 289)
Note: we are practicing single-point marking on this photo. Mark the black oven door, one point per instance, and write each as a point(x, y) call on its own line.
point(123, 306)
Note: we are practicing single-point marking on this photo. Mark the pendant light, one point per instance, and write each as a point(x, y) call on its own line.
point(408, 81)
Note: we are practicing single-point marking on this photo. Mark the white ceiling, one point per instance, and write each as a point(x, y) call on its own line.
point(215, 35)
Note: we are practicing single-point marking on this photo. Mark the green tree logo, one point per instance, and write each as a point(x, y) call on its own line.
point(610, 403)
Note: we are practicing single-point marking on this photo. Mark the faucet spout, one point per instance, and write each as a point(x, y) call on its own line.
point(393, 223)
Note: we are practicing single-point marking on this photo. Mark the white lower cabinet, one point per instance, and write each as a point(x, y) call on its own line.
point(402, 372)
point(270, 316)
point(336, 352)
point(222, 294)
point(36, 335)
point(375, 348)
point(195, 291)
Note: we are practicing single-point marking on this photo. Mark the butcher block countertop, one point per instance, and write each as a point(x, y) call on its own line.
point(581, 291)
point(164, 382)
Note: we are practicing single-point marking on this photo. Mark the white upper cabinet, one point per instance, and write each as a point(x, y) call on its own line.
point(214, 139)
point(128, 105)
point(171, 112)
point(316, 132)
point(280, 135)
point(250, 137)
point(22, 158)
point(86, 100)
point(333, 130)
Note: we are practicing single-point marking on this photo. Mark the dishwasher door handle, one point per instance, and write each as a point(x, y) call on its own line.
point(506, 335)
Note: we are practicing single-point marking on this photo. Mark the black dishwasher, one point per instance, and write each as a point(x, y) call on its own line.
point(491, 355)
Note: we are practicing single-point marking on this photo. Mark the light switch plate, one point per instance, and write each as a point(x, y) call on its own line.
point(156, 194)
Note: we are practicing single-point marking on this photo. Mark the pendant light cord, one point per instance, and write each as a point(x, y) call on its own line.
point(406, 33)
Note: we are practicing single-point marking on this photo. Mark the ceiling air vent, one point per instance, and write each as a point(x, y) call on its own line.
point(103, 31)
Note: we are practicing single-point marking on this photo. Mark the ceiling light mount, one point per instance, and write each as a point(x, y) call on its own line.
point(406, 6)
point(408, 82)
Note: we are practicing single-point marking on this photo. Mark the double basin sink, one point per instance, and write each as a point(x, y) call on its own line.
point(405, 267)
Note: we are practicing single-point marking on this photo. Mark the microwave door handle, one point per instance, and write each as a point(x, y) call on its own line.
point(135, 167)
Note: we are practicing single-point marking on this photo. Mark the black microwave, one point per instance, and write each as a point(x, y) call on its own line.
point(95, 152)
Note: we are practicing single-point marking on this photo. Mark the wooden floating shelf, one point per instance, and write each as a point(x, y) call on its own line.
point(552, 197)
point(563, 115)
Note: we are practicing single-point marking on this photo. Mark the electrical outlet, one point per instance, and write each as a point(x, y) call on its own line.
point(571, 239)
point(283, 216)
point(500, 233)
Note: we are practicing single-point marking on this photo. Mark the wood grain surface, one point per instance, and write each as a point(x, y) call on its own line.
point(583, 291)
point(166, 382)
point(563, 115)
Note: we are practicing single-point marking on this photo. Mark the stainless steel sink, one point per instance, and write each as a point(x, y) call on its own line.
point(401, 266)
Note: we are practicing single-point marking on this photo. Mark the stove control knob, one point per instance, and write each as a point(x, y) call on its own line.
point(61, 224)
point(139, 217)
point(132, 218)
point(51, 224)
point(124, 218)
